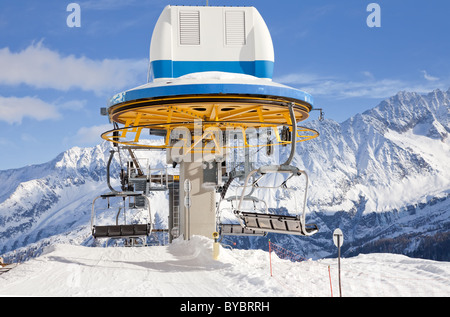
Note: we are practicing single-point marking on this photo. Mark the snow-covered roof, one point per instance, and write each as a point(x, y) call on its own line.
point(211, 83)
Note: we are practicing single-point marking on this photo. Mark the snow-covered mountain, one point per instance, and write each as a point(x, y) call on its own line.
point(381, 176)
point(41, 201)
point(391, 156)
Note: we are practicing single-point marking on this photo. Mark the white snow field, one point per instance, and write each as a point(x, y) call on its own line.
point(187, 269)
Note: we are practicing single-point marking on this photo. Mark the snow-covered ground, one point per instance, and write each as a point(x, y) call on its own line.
point(187, 269)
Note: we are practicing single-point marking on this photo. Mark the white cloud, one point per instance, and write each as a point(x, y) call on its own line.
point(91, 135)
point(368, 87)
point(26, 137)
point(368, 74)
point(5, 141)
point(301, 78)
point(74, 105)
point(14, 109)
point(429, 77)
point(40, 67)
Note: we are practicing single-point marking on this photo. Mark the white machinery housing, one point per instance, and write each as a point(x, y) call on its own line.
point(198, 39)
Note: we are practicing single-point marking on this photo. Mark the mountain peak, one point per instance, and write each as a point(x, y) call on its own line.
point(404, 94)
point(405, 110)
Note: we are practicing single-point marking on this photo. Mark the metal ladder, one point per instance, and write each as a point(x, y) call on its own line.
point(176, 207)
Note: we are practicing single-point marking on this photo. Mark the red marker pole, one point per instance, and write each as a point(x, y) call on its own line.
point(331, 286)
point(270, 258)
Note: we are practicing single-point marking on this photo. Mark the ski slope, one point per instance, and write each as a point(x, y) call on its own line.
point(186, 269)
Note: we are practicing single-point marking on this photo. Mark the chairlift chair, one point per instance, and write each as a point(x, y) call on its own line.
point(121, 231)
point(267, 222)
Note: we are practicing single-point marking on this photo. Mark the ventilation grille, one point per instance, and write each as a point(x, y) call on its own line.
point(235, 28)
point(189, 27)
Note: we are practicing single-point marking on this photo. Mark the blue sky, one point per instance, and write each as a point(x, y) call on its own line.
point(54, 79)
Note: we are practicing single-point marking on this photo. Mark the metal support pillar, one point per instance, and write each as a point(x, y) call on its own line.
point(200, 217)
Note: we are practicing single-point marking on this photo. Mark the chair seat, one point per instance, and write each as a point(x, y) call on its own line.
point(238, 230)
point(276, 223)
point(121, 231)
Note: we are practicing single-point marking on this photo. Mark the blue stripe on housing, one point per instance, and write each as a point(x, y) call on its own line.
point(199, 89)
point(174, 69)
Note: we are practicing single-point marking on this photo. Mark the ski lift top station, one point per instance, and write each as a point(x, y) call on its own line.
point(210, 69)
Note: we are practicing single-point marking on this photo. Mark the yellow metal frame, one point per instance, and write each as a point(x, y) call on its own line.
point(206, 111)
point(303, 134)
point(208, 108)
